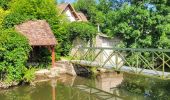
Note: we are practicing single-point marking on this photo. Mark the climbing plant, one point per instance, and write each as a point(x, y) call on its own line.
point(70, 31)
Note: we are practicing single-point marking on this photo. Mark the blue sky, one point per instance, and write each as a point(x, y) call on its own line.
point(70, 1)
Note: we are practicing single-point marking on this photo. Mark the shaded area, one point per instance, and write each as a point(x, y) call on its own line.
point(155, 88)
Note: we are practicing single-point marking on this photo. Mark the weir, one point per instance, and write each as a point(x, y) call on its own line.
point(152, 62)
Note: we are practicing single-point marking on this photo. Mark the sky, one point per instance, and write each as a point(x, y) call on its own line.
point(69, 1)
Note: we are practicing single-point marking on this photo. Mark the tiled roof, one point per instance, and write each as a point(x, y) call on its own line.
point(79, 15)
point(62, 6)
point(82, 17)
point(38, 33)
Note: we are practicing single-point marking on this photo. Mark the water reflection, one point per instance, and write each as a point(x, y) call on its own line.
point(152, 87)
point(53, 85)
point(106, 81)
point(103, 87)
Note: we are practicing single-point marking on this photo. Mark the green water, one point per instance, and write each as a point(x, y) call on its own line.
point(109, 86)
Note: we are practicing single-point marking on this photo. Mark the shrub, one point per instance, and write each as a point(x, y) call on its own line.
point(5, 4)
point(14, 51)
point(3, 13)
point(23, 10)
point(29, 74)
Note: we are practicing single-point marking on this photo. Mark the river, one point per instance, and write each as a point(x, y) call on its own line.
point(107, 86)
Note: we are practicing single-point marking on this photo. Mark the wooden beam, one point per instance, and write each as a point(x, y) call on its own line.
point(53, 55)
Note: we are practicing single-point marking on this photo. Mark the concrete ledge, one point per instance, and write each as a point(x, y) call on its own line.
point(42, 72)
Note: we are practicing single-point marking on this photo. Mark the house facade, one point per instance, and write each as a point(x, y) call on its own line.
point(70, 12)
point(105, 41)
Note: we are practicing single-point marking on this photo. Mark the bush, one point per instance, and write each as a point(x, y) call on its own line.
point(3, 13)
point(29, 74)
point(5, 4)
point(23, 10)
point(14, 51)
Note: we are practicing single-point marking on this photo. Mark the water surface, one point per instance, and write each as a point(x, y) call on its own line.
point(103, 87)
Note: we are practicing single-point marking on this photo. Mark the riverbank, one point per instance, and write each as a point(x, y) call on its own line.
point(5, 85)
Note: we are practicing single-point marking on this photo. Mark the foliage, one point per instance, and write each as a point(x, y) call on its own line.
point(5, 4)
point(83, 30)
point(29, 74)
point(64, 44)
point(85, 6)
point(14, 54)
point(139, 27)
point(140, 24)
point(3, 13)
point(23, 10)
point(70, 31)
point(15, 57)
point(89, 8)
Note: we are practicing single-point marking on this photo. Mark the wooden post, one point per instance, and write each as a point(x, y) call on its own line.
point(53, 55)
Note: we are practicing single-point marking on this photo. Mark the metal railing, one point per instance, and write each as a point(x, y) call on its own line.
point(151, 61)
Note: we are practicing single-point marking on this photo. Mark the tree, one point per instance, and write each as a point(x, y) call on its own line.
point(5, 4)
point(105, 6)
point(90, 9)
point(23, 10)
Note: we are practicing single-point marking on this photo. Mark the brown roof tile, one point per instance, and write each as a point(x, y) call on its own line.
point(38, 32)
point(82, 17)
